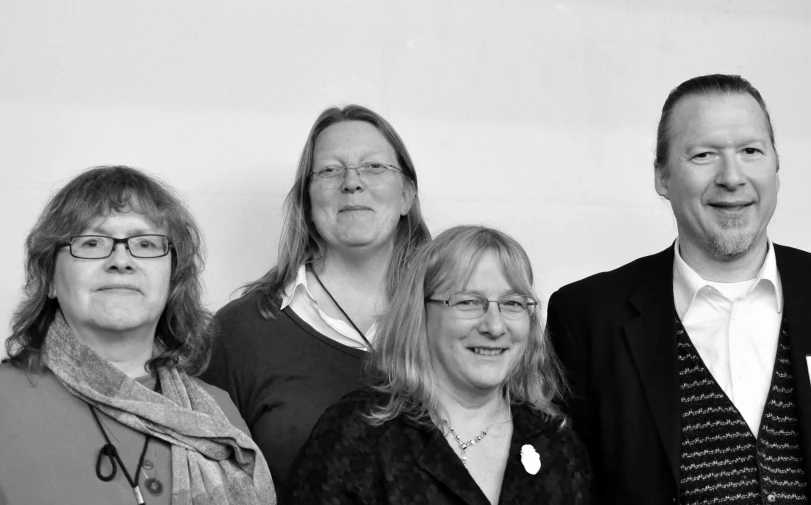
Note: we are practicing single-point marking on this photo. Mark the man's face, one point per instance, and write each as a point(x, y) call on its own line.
point(721, 175)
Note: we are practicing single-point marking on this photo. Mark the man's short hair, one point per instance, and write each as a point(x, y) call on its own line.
point(714, 84)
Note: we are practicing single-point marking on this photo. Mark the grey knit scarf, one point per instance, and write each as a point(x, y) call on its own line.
point(213, 462)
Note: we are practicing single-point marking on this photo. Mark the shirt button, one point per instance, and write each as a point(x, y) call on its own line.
point(771, 497)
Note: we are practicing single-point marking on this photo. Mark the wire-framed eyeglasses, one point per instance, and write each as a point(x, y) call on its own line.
point(96, 247)
point(472, 306)
point(368, 171)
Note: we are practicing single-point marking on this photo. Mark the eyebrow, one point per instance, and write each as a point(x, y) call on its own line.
point(131, 232)
point(509, 292)
point(715, 145)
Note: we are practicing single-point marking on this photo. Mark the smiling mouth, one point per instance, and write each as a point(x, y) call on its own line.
point(731, 209)
point(484, 351)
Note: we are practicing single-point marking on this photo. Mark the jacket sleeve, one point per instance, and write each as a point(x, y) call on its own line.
point(570, 342)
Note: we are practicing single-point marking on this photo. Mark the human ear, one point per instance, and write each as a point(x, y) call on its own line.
point(661, 180)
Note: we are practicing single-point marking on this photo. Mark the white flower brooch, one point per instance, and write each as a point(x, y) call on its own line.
point(530, 459)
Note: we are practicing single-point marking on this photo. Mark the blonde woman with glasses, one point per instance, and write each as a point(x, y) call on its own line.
point(461, 411)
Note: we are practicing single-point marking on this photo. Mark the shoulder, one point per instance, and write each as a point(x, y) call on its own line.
point(352, 409)
point(245, 307)
point(226, 405)
point(614, 284)
point(11, 376)
point(17, 384)
point(790, 257)
point(240, 325)
point(28, 399)
point(343, 429)
point(342, 443)
point(339, 454)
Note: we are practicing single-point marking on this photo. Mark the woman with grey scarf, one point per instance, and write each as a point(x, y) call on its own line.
point(99, 402)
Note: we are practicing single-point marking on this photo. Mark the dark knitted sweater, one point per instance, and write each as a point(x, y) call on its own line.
point(281, 374)
point(721, 460)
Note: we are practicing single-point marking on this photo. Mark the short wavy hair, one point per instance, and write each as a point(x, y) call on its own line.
point(713, 84)
point(400, 364)
point(300, 242)
point(183, 327)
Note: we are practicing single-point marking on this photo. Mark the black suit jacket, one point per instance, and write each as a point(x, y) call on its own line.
point(614, 334)
point(348, 461)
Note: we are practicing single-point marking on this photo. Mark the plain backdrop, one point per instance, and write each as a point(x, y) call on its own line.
point(536, 117)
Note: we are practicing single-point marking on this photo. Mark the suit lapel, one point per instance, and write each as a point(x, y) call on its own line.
point(651, 339)
point(438, 460)
point(795, 277)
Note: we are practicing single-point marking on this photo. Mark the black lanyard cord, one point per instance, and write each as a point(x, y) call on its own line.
point(110, 452)
point(342, 310)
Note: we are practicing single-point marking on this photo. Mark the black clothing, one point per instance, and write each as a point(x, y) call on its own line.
point(281, 374)
point(347, 460)
point(614, 334)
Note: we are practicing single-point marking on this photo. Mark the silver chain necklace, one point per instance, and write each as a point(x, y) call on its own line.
point(464, 446)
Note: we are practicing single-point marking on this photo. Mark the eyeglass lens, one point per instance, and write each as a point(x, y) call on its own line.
point(99, 246)
point(336, 171)
point(472, 305)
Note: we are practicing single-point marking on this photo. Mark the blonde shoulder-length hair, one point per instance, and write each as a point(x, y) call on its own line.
point(400, 366)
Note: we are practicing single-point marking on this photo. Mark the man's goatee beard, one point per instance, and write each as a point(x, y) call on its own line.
point(729, 246)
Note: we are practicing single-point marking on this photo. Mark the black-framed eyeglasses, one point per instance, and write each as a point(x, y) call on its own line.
point(96, 247)
point(472, 306)
point(367, 171)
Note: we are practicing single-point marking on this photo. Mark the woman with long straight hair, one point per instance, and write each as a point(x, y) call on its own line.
point(294, 342)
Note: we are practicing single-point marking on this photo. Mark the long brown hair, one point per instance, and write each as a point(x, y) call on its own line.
point(300, 242)
point(183, 327)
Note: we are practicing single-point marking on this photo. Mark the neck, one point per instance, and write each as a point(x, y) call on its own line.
point(744, 268)
point(358, 270)
point(477, 408)
point(128, 351)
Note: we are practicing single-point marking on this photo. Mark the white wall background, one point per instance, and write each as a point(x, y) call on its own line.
point(537, 117)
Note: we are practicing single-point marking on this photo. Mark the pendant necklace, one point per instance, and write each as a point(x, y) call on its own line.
point(464, 446)
point(341, 309)
point(110, 452)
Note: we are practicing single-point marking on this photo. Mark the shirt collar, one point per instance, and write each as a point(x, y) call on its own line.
point(290, 290)
point(687, 283)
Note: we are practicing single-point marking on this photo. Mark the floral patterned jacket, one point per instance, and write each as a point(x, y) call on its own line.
point(346, 460)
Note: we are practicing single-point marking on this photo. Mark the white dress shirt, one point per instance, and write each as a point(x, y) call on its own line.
point(734, 327)
point(298, 297)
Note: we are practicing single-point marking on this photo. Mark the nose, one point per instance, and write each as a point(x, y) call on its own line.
point(352, 181)
point(492, 322)
point(120, 259)
point(730, 173)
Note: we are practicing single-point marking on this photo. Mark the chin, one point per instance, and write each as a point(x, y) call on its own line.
point(122, 321)
point(489, 383)
point(729, 246)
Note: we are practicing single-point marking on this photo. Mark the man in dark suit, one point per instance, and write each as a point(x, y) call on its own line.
point(689, 369)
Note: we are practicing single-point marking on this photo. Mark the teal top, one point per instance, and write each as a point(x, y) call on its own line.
point(49, 443)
